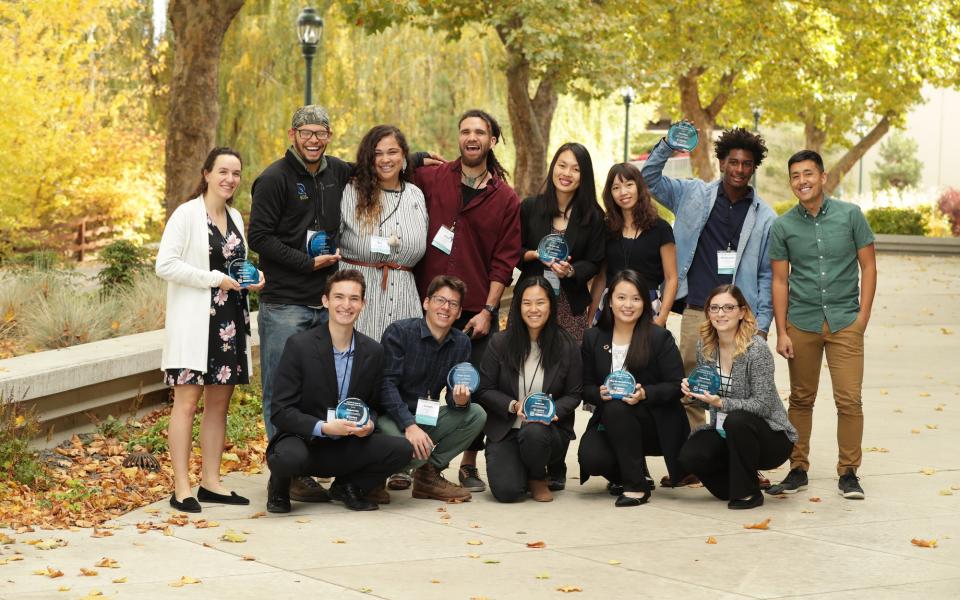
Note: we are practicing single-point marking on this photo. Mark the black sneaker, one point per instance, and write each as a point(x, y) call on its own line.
point(849, 486)
point(470, 479)
point(795, 481)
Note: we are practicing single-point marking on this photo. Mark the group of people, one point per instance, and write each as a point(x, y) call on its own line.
point(419, 253)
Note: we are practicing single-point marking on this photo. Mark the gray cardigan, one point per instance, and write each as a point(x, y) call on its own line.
point(752, 387)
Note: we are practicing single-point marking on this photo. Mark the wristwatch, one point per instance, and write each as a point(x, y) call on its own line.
point(490, 308)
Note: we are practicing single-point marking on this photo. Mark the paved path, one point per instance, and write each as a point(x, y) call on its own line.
point(834, 548)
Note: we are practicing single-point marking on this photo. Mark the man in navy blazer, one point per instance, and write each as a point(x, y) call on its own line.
point(319, 368)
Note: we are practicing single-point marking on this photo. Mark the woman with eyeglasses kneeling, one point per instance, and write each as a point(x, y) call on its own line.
point(626, 426)
point(749, 428)
point(533, 358)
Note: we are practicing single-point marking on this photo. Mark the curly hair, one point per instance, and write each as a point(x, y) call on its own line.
point(739, 138)
point(644, 212)
point(365, 178)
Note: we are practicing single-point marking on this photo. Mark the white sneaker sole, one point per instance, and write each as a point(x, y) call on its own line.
point(851, 495)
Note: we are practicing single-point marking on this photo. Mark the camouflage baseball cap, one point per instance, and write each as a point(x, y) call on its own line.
point(312, 114)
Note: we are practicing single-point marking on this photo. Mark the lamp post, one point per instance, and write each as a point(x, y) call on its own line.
point(861, 131)
point(756, 129)
point(628, 94)
point(309, 31)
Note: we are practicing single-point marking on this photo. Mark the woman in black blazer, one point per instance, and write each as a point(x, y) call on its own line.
point(622, 433)
point(532, 355)
point(568, 206)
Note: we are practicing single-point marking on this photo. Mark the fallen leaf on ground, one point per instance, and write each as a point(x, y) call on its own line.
point(88, 572)
point(257, 515)
point(248, 557)
point(456, 500)
point(441, 509)
point(815, 499)
point(924, 394)
point(491, 561)
point(613, 561)
point(933, 426)
point(107, 563)
point(884, 392)
point(184, 580)
point(63, 588)
point(101, 533)
point(711, 540)
point(472, 555)
point(915, 430)
point(92, 594)
point(5, 539)
point(939, 408)
point(806, 512)
point(303, 520)
point(445, 516)
point(474, 542)
point(955, 487)
point(875, 449)
point(946, 492)
point(49, 572)
point(233, 537)
point(898, 410)
point(543, 576)
point(928, 470)
point(474, 526)
point(924, 543)
point(764, 524)
point(119, 580)
point(48, 544)
point(434, 581)
point(338, 541)
point(566, 589)
point(365, 590)
point(205, 524)
point(168, 531)
point(537, 544)
point(946, 331)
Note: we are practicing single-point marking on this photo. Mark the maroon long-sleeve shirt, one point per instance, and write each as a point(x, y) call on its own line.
point(486, 241)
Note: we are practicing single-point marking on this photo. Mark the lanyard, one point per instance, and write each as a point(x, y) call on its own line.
point(725, 383)
point(623, 248)
point(533, 379)
point(341, 381)
point(395, 207)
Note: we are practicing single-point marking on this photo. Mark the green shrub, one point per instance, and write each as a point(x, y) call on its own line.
point(124, 262)
point(17, 428)
point(902, 221)
point(65, 318)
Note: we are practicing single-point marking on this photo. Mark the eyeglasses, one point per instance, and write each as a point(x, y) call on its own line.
point(306, 135)
point(441, 302)
point(726, 308)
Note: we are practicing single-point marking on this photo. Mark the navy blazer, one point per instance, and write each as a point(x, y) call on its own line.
point(660, 378)
point(305, 384)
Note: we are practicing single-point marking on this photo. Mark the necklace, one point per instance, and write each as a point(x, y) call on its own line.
point(472, 181)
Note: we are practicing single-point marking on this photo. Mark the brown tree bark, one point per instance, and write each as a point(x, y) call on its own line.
point(530, 120)
point(836, 172)
point(198, 30)
point(704, 117)
point(814, 136)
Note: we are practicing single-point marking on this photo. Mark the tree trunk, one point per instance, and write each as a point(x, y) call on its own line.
point(704, 118)
point(530, 121)
point(814, 137)
point(845, 163)
point(198, 30)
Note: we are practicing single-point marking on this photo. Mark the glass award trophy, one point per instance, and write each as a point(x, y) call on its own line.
point(683, 136)
point(539, 407)
point(353, 409)
point(243, 272)
point(704, 380)
point(553, 247)
point(620, 384)
point(464, 374)
point(321, 243)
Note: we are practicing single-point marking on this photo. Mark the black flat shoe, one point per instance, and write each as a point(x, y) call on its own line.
point(614, 489)
point(205, 495)
point(351, 496)
point(189, 505)
point(278, 495)
point(623, 500)
point(742, 504)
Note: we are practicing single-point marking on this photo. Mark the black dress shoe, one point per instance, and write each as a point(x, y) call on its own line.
point(278, 495)
point(745, 503)
point(306, 489)
point(614, 489)
point(189, 505)
point(352, 497)
point(205, 495)
point(623, 500)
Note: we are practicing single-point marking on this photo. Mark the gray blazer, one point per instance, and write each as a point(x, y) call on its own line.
point(752, 387)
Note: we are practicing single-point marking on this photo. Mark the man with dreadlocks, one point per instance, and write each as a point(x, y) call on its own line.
point(721, 230)
point(474, 234)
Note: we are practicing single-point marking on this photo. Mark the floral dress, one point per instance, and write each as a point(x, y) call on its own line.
point(229, 320)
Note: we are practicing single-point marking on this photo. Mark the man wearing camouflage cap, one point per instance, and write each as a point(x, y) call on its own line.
point(294, 197)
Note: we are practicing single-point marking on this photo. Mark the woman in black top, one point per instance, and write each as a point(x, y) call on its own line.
point(651, 421)
point(638, 239)
point(568, 206)
point(532, 355)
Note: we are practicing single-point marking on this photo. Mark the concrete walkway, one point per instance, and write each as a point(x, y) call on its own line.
point(831, 548)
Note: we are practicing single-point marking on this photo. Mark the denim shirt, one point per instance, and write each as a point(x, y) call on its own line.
point(691, 200)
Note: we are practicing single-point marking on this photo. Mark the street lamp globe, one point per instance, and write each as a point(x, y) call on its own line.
point(309, 28)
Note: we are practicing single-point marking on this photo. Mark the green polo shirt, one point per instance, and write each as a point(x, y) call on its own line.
point(824, 272)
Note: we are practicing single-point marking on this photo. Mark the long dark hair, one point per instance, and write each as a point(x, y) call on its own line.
point(552, 340)
point(638, 353)
point(493, 165)
point(201, 188)
point(583, 206)
point(644, 212)
point(365, 172)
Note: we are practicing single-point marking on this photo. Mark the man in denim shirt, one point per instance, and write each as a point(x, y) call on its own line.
point(721, 229)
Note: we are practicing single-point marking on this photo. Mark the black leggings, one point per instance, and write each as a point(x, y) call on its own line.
point(619, 451)
point(523, 454)
point(728, 466)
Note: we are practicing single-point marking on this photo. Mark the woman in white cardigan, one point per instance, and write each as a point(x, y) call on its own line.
point(207, 325)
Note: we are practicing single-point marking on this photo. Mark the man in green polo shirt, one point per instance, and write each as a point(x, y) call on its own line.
point(824, 278)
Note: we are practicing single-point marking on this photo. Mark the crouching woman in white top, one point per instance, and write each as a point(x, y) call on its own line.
point(207, 325)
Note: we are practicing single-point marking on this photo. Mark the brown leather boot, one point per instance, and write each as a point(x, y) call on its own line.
point(429, 483)
point(380, 495)
point(540, 490)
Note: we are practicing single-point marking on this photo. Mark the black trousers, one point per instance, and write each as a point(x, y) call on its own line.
point(728, 467)
point(619, 451)
point(521, 455)
point(365, 462)
point(478, 348)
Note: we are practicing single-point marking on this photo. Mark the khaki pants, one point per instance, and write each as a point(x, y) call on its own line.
point(689, 335)
point(844, 350)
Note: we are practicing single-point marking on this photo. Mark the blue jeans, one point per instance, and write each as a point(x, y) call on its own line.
point(276, 323)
